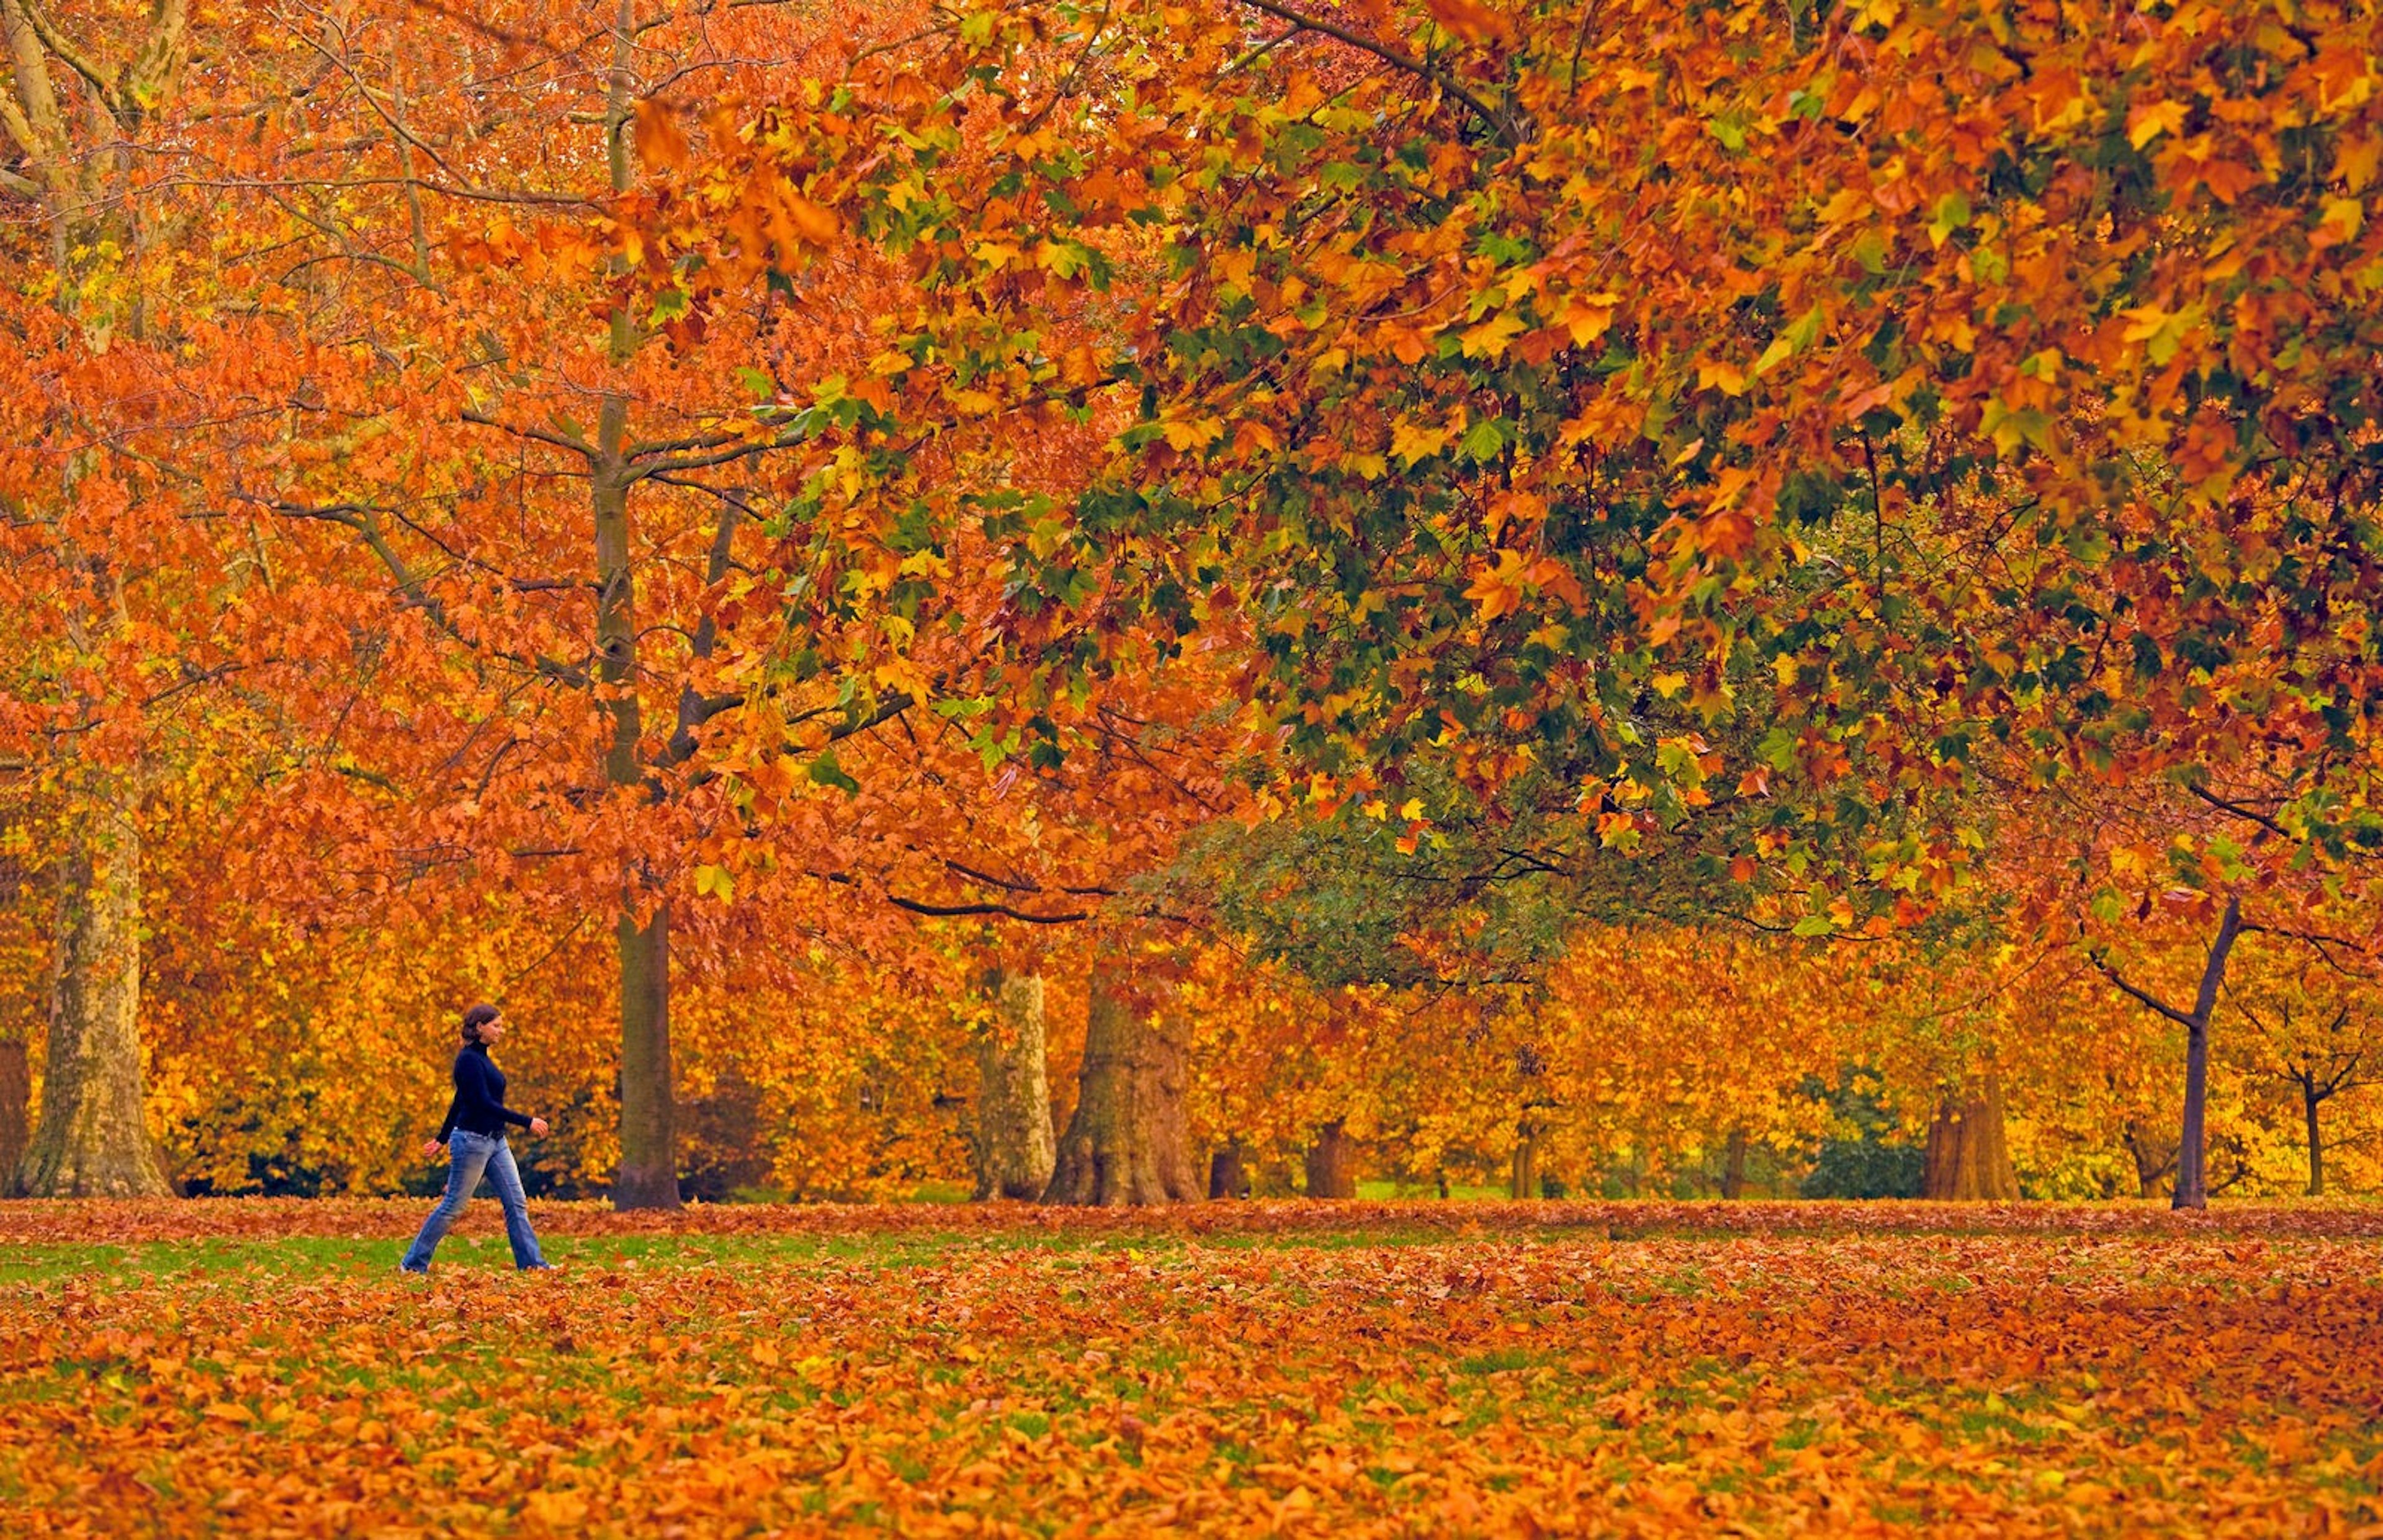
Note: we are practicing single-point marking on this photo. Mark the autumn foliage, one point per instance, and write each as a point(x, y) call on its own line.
point(1145, 605)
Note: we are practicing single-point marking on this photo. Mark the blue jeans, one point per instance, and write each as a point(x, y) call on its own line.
point(469, 1154)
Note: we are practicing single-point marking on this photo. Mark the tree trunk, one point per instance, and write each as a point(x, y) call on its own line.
point(2309, 1100)
point(16, 1103)
point(1127, 1143)
point(1733, 1169)
point(2152, 1167)
point(1228, 1174)
point(1967, 1158)
point(2193, 1149)
point(16, 1070)
point(1015, 1153)
point(92, 1141)
point(2191, 1190)
point(1523, 1181)
point(649, 1174)
point(1329, 1171)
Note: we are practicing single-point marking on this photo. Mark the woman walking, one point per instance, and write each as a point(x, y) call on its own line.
point(474, 1137)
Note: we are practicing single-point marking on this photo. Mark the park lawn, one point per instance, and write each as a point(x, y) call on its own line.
point(253, 1368)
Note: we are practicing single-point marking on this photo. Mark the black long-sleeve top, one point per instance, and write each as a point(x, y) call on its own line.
point(479, 1106)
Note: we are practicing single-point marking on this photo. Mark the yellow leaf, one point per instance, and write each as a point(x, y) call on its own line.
point(1720, 376)
point(1490, 338)
point(1590, 317)
point(2146, 124)
point(1184, 434)
point(1411, 441)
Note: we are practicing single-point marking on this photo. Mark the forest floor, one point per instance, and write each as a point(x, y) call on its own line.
point(258, 1367)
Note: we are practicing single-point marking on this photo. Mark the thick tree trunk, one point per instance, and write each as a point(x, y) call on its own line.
point(1229, 1173)
point(1127, 1143)
point(649, 1174)
point(91, 1140)
point(1969, 1159)
point(2309, 1101)
point(1330, 1173)
point(16, 1103)
point(1015, 1151)
point(1522, 1180)
point(1733, 1169)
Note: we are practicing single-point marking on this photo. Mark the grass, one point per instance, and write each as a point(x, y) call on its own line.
point(217, 1369)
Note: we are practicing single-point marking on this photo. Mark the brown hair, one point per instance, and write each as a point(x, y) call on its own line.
point(479, 1015)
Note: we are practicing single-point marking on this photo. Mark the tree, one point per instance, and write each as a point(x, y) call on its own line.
point(1717, 425)
point(79, 118)
point(2312, 1034)
point(1128, 1142)
point(408, 508)
point(1016, 1152)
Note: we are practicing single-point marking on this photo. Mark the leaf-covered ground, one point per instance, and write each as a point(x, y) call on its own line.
point(259, 1368)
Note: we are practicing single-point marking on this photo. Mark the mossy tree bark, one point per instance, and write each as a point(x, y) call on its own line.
point(1127, 1143)
point(1969, 1157)
point(91, 1139)
point(1014, 1150)
point(1331, 1171)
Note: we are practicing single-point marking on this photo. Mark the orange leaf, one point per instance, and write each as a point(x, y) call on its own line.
point(1472, 20)
point(656, 133)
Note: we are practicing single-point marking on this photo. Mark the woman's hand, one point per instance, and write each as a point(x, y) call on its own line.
point(432, 1149)
point(538, 1125)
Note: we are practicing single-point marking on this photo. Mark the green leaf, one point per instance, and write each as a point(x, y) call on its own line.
point(1952, 213)
point(825, 771)
point(1486, 441)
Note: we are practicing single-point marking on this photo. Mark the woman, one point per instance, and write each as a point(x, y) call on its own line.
point(475, 1133)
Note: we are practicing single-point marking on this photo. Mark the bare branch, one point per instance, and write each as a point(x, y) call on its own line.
point(1507, 131)
point(2163, 1007)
